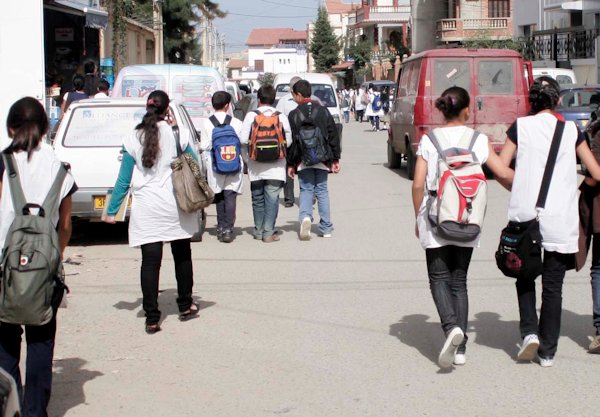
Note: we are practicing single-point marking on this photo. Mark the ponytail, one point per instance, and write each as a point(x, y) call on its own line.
point(156, 108)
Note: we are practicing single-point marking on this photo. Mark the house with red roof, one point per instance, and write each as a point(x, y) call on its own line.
point(277, 50)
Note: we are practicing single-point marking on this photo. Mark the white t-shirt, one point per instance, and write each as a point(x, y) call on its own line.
point(447, 137)
point(37, 176)
point(559, 220)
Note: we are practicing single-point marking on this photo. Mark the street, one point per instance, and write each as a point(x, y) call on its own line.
point(340, 327)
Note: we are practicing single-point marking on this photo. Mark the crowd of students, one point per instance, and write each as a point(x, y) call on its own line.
point(369, 103)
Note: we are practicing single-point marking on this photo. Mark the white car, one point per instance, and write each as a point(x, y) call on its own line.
point(90, 139)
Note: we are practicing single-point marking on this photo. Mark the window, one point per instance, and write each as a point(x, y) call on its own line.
point(448, 73)
point(414, 78)
point(495, 77)
point(499, 8)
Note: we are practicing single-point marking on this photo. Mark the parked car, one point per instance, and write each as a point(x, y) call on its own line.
point(233, 88)
point(90, 139)
point(496, 79)
point(577, 102)
point(561, 75)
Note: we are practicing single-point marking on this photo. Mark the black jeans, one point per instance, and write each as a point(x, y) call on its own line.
point(288, 191)
point(226, 206)
point(548, 327)
point(447, 268)
point(359, 115)
point(151, 260)
point(40, 351)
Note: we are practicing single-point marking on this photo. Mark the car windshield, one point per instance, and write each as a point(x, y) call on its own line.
point(101, 126)
point(323, 92)
point(578, 98)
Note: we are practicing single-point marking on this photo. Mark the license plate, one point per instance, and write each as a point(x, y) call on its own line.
point(100, 202)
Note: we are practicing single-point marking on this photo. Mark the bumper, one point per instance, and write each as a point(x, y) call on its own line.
point(83, 203)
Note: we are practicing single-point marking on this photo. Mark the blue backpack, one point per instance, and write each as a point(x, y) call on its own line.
point(376, 103)
point(225, 147)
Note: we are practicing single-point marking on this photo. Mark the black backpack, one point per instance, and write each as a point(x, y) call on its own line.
point(312, 142)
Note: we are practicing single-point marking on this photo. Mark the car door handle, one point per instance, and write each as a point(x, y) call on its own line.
point(479, 103)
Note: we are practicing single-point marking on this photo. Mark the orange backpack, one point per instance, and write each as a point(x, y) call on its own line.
point(267, 139)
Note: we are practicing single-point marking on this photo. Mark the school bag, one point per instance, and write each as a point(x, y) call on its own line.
point(267, 139)
point(376, 103)
point(312, 142)
point(31, 266)
point(226, 147)
point(457, 204)
point(345, 100)
point(364, 98)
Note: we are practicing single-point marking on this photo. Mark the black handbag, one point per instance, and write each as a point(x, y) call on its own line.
point(519, 253)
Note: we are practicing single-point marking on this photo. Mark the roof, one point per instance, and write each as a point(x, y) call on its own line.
point(465, 53)
point(339, 7)
point(272, 36)
point(237, 63)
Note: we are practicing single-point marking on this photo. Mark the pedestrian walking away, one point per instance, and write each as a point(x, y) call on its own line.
point(345, 103)
point(155, 217)
point(448, 255)
point(267, 177)
point(528, 138)
point(360, 104)
point(103, 89)
point(75, 95)
point(226, 186)
point(374, 111)
point(318, 153)
point(36, 168)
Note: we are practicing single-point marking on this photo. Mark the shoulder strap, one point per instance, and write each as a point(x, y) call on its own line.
point(53, 195)
point(473, 140)
point(213, 119)
point(435, 142)
point(558, 131)
point(177, 143)
point(16, 191)
point(227, 120)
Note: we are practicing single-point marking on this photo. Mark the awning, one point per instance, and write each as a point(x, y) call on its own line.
point(94, 18)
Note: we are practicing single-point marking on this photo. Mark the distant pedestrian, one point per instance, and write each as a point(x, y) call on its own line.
point(374, 110)
point(37, 168)
point(313, 178)
point(266, 178)
point(155, 217)
point(103, 89)
point(345, 103)
point(361, 99)
point(75, 95)
point(91, 78)
point(225, 186)
point(448, 259)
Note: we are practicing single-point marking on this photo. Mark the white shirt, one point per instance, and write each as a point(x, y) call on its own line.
point(286, 104)
point(447, 137)
point(370, 111)
point(219, 182)
point(358, 105)
point(100, 95)
point(155, 216)
point(559, 220)
point(275, 170)
point(36, 176)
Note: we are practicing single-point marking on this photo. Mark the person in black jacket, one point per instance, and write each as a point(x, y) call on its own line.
point(313, 178)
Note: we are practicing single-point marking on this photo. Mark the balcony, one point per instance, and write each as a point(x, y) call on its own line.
point(561, 44)
point(456, 30)
point(370, 15)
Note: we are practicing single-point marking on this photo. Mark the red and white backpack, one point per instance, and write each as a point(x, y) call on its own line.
point(457, 204)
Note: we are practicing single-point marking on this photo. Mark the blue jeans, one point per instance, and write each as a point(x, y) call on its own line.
point(313, 182)
point(595, 273)
point(347, 116)
point(265, 206)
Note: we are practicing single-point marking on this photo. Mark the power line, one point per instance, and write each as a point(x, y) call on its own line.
point(287, 5)
point(276, 17)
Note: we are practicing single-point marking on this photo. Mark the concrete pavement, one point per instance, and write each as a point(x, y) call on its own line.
point(332, 327)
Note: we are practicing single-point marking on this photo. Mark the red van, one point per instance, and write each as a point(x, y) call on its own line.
point(497, 81)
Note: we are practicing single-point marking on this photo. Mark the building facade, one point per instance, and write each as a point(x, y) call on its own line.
point(277, 50)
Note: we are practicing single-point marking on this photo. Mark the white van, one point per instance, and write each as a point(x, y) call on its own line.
point(561, 75)
point(191, 85)
point(322, 88)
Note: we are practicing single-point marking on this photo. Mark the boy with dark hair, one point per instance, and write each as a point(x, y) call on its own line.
point(266, 178)
point(103, 87)
point(313, 178)
point(225, 186)
point(91, 78)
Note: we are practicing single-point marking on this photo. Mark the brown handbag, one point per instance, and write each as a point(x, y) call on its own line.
point(192, 191)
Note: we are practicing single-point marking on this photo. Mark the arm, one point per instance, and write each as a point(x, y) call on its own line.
point(333, 136)
point(508, 152)
point(121, 186)
point(418, 185)
point(247, 128)
point(504, 175)
point(64, 224)
point(586, 156)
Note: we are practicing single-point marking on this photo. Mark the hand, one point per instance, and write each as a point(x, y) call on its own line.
point(335, 167)
point(590, 181)
point(291, 171)
point(108, 219)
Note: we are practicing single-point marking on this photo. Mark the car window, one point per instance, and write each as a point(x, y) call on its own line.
point(564, 79)
point(325, 93)
point(414, 78)
point(282, 89)
point(101, 126)
point(189, 122)
point(578, 98)
point(195, 93)
point(495, 77)
point(449, 73)
point(142, 85)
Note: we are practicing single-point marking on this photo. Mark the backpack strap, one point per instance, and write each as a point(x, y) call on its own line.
point(53, 195)
point(434, 140)
point(16, 191)
point(213, 119)
point(177, 142)
point(473, 140)
point(227, 120)
point(552, 154)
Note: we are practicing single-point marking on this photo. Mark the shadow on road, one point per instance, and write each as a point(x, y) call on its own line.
point(414, 330)
point(495, 333)
point(167, 304)
point(98, 233)
point(68, 379)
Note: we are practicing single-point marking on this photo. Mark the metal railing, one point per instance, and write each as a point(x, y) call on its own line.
point(445, 25)
point(561, 45)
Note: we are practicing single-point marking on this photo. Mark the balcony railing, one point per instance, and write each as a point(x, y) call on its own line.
point(459, 29)
point(561, 45)
point(382, 14)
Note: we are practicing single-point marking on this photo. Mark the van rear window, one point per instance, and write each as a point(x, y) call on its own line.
point(496, 77)
point(449, 73)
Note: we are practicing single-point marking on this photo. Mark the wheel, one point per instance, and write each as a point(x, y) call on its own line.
point(201, 215)
point(394, 159)
point(410, 163)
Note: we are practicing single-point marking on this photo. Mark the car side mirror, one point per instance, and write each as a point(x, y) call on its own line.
point(238, 114)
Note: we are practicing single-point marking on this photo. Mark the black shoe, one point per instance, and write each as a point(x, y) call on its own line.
point(289, 204)
point(153, 328)
point(219, 234)
point(227, 236)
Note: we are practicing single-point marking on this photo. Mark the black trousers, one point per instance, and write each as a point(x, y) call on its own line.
point(288, 190)
point(548, 326)
point(151, 261)
point(226, 206)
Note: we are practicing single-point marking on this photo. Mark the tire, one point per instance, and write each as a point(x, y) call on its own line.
point(394, 159)
point(410, 163)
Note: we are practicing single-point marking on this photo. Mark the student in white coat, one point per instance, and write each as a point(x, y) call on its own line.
point(374, 110)
point(225, 186)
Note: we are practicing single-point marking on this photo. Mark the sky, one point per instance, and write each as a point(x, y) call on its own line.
point(294, 14)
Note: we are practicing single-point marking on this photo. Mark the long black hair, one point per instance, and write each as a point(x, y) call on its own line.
point(452, 101)
point(26, 123)
point(156, 109)
point(544, 94)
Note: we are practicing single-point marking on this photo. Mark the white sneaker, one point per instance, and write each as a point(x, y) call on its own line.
point(545, 362)
point(460, 359)
point(305, 228)
point(529, 348)
point(325, 235)
point(453, 340)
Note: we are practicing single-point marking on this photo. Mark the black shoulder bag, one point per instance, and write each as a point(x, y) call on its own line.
point(519, 253)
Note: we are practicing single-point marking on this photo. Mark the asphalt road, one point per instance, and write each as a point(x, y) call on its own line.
point(338, 327)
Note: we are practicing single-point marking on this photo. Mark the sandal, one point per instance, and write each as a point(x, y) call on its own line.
point(153, 328)
point(190, 312)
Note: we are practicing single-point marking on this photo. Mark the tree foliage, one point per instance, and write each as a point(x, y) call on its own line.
point(268, 78)
point(360, 51)
point(324, 47)
point(485, 41)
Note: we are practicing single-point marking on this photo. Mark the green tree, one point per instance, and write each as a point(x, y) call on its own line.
point(266, 79)
point(361, 53)
point(325, 47)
